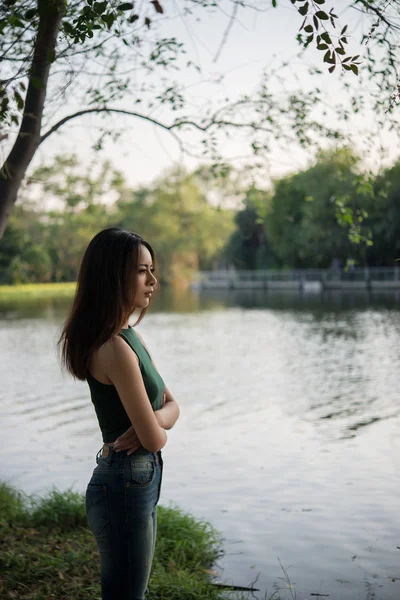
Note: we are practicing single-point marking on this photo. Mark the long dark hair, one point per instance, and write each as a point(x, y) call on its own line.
point(104, 296)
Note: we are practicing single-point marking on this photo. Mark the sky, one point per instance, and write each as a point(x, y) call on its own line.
point(256, 39)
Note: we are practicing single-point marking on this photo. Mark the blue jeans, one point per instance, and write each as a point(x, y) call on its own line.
point(121, 507)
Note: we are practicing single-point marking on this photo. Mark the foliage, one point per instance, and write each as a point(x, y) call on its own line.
point(110, 58)
point(249, 247)
point(328, 213)
point(65, 60)
point(175, 215)
point(314, 26)
point(383, 217)
point(325, 215)
point(187, 231)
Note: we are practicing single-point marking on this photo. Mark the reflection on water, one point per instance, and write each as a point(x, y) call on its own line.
point(178, 301)
point(289, 435)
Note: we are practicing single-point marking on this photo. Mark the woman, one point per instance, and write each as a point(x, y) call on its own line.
point(133, 406)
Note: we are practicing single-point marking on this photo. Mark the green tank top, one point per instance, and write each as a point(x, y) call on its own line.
point(111, 415)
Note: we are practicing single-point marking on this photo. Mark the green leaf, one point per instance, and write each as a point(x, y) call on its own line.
point(354, 68)
point(30, 14)
point(158, 8)
point(274, 3)
point(303, 10)
point(99, 7)
point(340, 50)
point(4, 104)
point(108, 19)
point(332, 68)
point(327, 56)
point(68, 29)
point(322, 47)
point(19, 100)
point(320, 14)
point(125, 6)
point(308, 28)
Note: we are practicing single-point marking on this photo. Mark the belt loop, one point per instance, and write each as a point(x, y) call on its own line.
point(106, 452)
point(109, 453)
point(99, 454)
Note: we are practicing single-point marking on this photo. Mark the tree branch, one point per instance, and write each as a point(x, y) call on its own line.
point(229, 27)
point(129, 113)
point(369, 6)
point(28, 138)
point(175, 125)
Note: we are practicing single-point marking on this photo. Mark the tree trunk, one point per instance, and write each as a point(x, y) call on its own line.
point(27, 142)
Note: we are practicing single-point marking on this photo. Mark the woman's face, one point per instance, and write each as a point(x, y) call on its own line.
point(145, 280)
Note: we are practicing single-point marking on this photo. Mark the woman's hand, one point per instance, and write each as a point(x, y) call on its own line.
point(127, 441)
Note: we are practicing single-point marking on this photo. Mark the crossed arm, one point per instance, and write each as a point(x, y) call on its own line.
point(166, 417)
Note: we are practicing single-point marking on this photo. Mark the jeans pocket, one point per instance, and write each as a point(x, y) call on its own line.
point(97, 508)
point(143, 471)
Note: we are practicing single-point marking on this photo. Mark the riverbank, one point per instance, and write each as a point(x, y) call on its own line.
point(36, 290)
point(47, 551)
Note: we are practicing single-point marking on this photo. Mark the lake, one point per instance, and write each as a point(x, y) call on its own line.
point(289, 436)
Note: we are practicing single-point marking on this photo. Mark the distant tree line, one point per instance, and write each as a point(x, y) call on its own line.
point(328, 214)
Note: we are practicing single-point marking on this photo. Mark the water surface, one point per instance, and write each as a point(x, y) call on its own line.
point(288, 441)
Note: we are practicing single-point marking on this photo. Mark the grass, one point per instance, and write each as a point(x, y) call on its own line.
point(48, 553)
point(36, 290)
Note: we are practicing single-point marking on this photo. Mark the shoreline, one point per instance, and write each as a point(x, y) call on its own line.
point(48, 552)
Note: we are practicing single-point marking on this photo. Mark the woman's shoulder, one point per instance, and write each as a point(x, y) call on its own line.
point(113, 349)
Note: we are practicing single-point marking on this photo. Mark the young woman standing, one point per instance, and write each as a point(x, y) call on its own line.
point(134, 408)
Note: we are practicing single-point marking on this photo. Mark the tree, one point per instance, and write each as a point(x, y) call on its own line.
point(248, 247)
point(317, 215)
point(188, 232)
point(45, 240)
point(383, 220)
point(55, 50)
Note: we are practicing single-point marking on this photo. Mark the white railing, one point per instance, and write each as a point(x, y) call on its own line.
point(368, 276)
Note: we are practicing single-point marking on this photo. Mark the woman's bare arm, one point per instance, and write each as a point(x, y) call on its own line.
point(121, 365)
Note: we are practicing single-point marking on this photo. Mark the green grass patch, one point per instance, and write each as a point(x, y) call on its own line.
point(47, 551)
point(36, 290)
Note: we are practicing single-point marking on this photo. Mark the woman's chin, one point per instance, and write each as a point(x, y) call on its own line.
point(143, 304)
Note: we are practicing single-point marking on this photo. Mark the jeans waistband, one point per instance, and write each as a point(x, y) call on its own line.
point(108, 454)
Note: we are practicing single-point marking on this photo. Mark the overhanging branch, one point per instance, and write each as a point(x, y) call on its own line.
point(120, 111)
point(170, 128)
